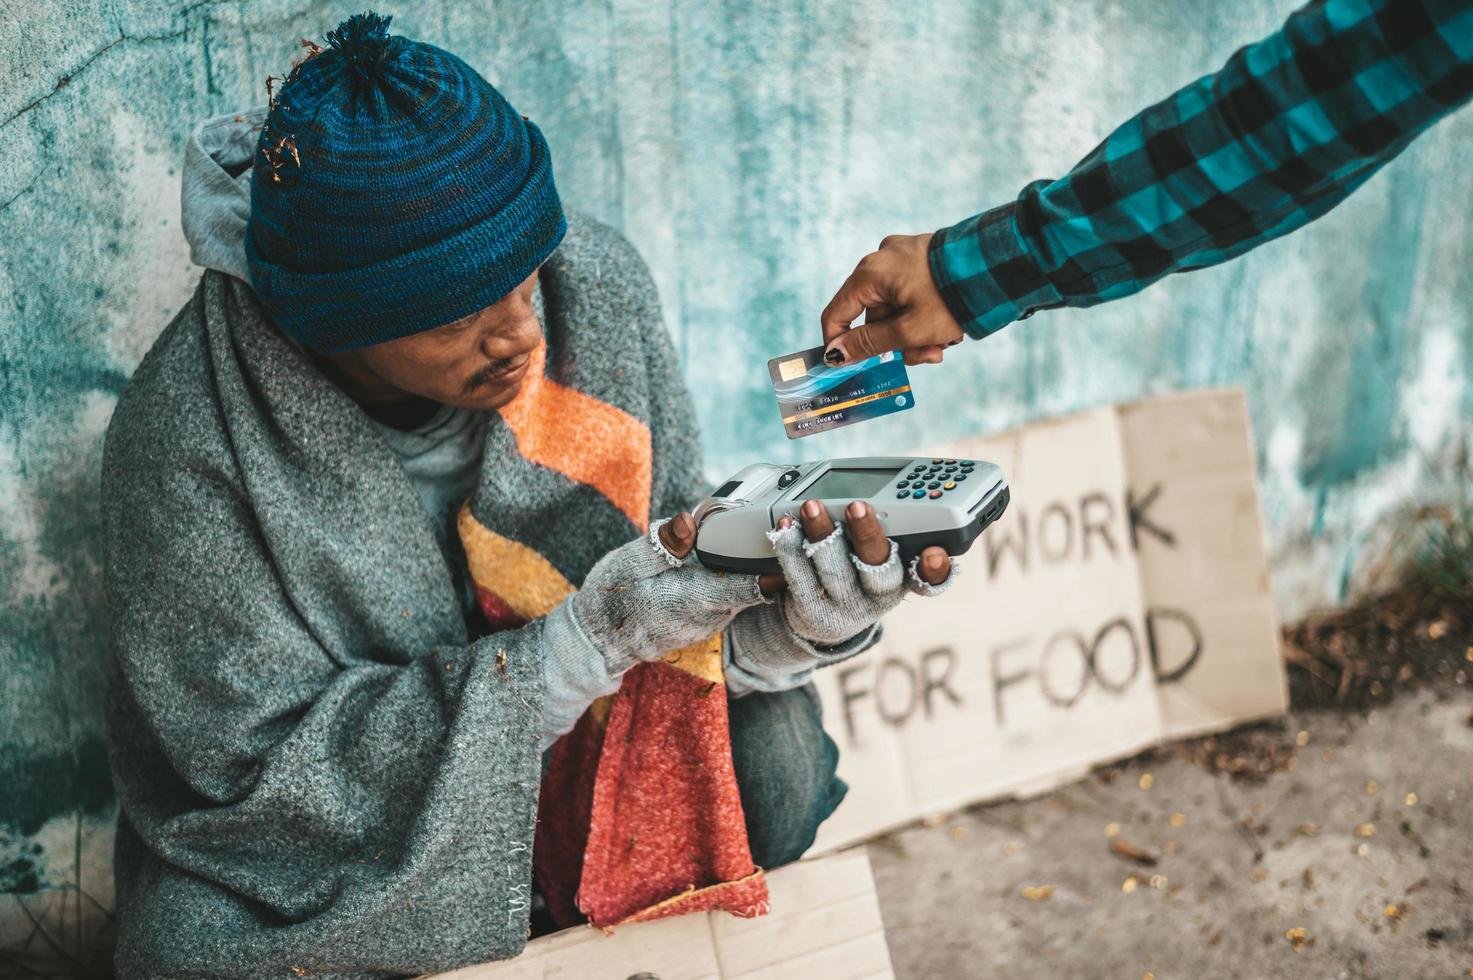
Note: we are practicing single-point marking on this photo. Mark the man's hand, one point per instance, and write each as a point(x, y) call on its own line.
point(867, 541)
point(839, 583)
point(866, 538)
point(644, 599)
point(904, 311)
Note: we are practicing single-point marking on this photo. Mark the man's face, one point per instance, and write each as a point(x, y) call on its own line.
point(478, 362)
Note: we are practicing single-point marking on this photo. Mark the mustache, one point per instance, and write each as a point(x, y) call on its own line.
point(487, 374)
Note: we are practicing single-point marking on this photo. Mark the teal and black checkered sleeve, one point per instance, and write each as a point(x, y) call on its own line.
point(1285, 131)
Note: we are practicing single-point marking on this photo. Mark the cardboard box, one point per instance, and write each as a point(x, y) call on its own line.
point(825, 922)
point(1122, 600)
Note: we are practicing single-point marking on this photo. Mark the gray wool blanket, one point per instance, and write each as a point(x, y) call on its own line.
point(318, 768)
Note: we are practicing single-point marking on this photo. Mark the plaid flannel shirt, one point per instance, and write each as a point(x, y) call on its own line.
point(1284, 132)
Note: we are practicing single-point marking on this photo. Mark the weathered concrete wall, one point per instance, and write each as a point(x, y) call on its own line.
point(753, 151)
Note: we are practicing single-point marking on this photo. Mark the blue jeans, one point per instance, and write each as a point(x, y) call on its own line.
point(785, 771)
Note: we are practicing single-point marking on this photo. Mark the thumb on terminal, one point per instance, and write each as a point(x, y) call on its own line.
point(678, 534)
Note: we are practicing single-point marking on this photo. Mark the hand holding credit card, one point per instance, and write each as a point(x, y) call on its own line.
point(814, 397)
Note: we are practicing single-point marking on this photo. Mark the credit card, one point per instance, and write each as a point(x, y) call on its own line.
point(815, 397)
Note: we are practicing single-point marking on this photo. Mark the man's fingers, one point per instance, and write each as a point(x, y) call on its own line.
point(815, 519)
point(865, 340)
point(801, 576)
point(771, 584)
point(935, 565)
point(866, 538)
point(678, 534)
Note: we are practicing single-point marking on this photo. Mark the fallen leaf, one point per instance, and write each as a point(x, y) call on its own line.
point(1362, 850)
point(1437, 630)
point(1371, 787)
point(1111, 829)
point(1395, 912)
point(1178, 820)
point(1298, 937)
point(1158, 882)
point(1302, 739)
point(1411, 799)
point(1307, 829)
point(1365, 830)
point(1121, 847)
point(1130, 884)
point(1146, 780)
point(1038, 893)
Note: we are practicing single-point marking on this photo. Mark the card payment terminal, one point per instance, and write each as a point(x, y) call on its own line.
point(919, 501)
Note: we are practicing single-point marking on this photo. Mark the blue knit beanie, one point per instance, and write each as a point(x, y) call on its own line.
point(394, 190)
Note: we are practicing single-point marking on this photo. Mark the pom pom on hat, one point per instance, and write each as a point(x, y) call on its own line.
point(363, 41)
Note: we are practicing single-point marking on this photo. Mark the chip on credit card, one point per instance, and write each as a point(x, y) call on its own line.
point(815, 397)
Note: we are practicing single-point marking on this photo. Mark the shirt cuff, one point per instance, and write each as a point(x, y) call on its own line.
point(985, 274)
point(763, 654)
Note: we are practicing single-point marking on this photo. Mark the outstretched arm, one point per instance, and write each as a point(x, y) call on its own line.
point(1285, 131)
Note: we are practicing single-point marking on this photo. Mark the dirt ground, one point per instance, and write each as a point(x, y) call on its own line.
point(1337, 843)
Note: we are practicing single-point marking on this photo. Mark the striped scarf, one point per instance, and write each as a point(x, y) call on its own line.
point(639, 816)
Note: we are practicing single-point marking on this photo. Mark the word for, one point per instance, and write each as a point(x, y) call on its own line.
point(1061, 670)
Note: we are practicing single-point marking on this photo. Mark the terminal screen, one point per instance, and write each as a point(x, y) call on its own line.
point(852, 484)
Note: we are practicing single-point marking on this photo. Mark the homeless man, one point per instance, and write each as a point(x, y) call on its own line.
point(378, 532)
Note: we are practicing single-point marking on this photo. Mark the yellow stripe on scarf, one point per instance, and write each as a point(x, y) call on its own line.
point(525, 581)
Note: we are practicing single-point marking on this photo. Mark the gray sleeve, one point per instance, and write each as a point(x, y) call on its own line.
point(341, 811)
point(763, 654)
point(574, 673)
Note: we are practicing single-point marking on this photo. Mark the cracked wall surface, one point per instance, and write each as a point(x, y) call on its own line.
point(752, 151)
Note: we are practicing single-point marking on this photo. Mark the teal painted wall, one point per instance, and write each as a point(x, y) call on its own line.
point(752, 151)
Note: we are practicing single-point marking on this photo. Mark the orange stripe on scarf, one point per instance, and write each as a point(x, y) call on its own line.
point(582, 438)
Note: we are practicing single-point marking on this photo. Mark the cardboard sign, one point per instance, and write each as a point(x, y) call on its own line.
point(825, 922)
point(1123, 599)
